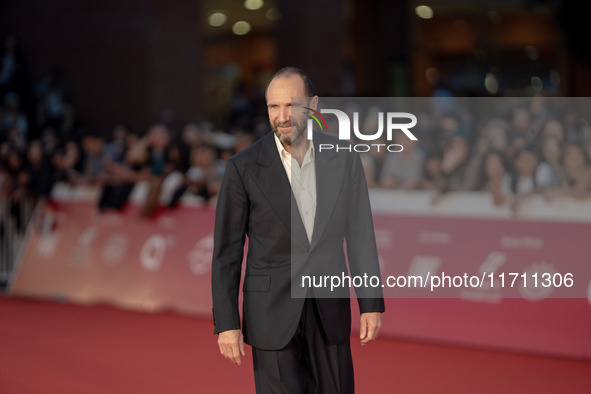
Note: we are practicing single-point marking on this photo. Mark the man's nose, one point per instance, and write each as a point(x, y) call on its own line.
point(284, 114)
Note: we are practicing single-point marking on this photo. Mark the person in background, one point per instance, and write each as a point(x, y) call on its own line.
point(15, 176)
point(454, 163)
point(552, 128)
point(15, 185)
point(572, 124)
point(402, 170)
point(13, 118)
point(15, 139)
point(119, 174)
point(68, 164)
point(157, 139)
point(578, 171)
point(433, 178)
point(520, 124)
point(373, 163)
point(52, 92)
point(495, 177)
point(204, 176)
point(528, 177)
point(68, 127)
point(449, 125)
point(40, 172)
point(551, 154)
point(93, 160)
point(495, 134)
point(206, 172)
point(116, 148)
point(50, 141)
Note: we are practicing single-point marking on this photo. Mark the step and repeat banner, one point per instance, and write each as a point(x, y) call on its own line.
point(75, 254)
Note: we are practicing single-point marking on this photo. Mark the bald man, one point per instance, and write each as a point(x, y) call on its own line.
point(297, 205)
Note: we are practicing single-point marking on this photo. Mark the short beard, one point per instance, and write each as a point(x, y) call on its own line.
point(296, 132)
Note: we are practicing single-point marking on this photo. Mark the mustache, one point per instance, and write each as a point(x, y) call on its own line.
point(283, 124)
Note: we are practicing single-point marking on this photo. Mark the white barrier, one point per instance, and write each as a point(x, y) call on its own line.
point(478, 205)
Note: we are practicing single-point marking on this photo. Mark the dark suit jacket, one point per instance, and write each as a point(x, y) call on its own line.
point(256, 200)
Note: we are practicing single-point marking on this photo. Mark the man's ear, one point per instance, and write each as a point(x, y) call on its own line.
point(314, 102)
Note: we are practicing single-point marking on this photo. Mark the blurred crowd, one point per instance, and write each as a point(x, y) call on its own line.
point(172, 162)
point(523, 147)
point(533, 147)
point(42, 142)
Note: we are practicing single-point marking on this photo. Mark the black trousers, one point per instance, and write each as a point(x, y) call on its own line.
point(307, 365)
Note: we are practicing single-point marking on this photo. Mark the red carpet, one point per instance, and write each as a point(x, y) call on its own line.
point(66, 349)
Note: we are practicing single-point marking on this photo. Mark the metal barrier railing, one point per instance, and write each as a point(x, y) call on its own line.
point(15, 216)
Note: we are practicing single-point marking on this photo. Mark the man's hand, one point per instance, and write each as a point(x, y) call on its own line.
point(231, 345)
point(370, 327)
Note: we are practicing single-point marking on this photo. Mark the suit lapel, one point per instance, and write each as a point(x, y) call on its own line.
point(274, 184)
point(328, 181)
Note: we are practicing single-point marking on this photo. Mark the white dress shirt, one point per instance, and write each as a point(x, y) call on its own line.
point(303, 183)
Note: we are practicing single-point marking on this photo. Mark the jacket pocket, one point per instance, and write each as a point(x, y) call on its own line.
point(257, 283)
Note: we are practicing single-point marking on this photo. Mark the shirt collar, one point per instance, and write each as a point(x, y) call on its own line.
point(280, 147)
point(282, 151)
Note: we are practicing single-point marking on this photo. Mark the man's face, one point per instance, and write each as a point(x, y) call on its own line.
point(288, 125)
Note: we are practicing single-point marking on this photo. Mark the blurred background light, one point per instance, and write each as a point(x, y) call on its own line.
point(253, 4)
point(536, 83)
point(241, 28)
point(491, 84)
point(217, 19)
point(424, 11)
